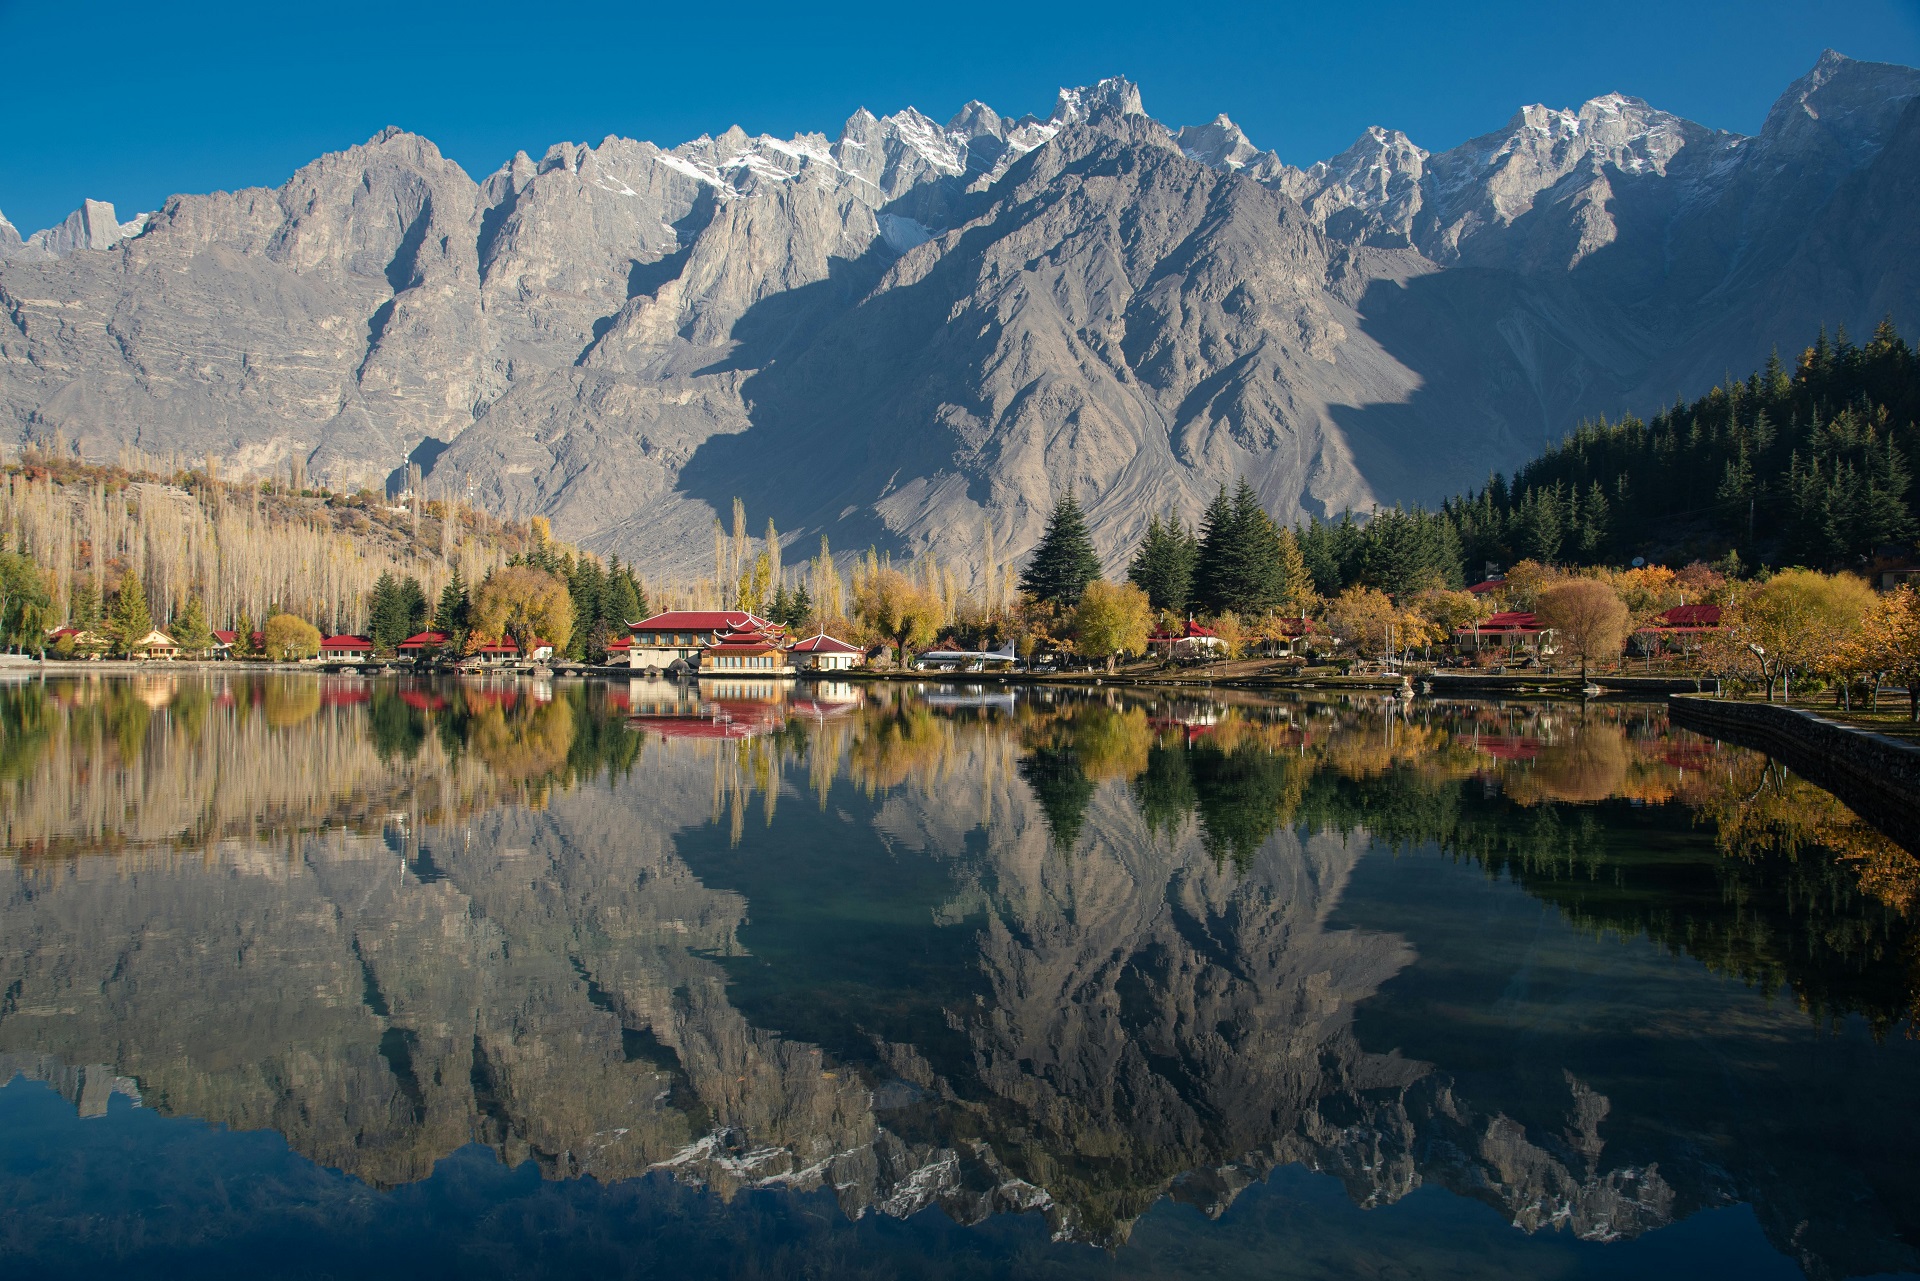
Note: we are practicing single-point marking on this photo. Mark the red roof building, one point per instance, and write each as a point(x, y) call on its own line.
point(1188, 639)
point(421, 642)
point(1513, 629)
point(352, 649)
point(822, 653)
point(681, 635)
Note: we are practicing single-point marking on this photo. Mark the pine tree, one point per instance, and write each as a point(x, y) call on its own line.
point(85, 611)
point(1238, 567)
point(1064, 562)
point(130, 619)
point(385, 621)
point(1162, 567)
point(412, 605)
point(453, 616)
point(190, 630)
point(626, 603)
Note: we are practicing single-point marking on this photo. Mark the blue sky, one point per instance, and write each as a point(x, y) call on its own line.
point(133, 102)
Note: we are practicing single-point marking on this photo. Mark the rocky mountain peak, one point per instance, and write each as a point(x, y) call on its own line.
point(586, 333)
point(1220, 144)
point(1841, 101)
point(977, 119)
point(1113, 96)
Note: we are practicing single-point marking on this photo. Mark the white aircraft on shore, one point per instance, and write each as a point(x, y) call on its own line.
point(970, 659)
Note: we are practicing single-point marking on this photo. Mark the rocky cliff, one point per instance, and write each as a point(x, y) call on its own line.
point(912, 331)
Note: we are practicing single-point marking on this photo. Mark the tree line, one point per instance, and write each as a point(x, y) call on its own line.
point(1809, 467)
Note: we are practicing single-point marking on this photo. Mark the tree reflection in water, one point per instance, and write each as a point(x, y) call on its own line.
point(1055, 953)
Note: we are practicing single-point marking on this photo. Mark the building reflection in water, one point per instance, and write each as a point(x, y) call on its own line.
point(995, 953)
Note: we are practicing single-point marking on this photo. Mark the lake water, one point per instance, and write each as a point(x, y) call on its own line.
point(315, 976)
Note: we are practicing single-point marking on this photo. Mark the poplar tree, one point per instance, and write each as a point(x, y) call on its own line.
point(1064, 562)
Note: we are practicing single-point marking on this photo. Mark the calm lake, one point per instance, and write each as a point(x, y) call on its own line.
point(332, 976)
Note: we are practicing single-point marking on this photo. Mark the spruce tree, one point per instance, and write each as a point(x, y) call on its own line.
point(1239, 562)
point(626, 603)
point(385, 621)
point(86, 605)
point(130, 619)
point(190, 631)
point(1162, 567)
point(451, 618)
point(412, 605)
point(1064, 562)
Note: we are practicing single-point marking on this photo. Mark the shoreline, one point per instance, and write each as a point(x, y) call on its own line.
point(1875, 776)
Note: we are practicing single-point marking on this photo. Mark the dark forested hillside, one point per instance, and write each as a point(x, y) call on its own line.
point(1812, 468)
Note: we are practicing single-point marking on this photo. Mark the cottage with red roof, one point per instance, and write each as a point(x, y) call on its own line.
point(422, 643)
point(1190, 640)
point(822, 653)
point(1511, 629)
point(346, 649)
point(682, 635)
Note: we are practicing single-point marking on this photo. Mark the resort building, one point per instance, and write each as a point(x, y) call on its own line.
point(346, 649)
point(1681, 629)
point(500, 651)
point(1511, 630)
point(156, 644)
point(749, 653)
point(681, 636)
point(822, 653)
point(1190, 641)
point(422, 643)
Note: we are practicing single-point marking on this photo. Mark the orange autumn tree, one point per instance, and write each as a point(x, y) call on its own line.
point(1587, 618)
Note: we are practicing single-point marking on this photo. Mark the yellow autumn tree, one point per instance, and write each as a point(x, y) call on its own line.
point(1112, 619)
point(524, 602)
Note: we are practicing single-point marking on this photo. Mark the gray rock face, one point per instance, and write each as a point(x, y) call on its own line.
point(912, 331)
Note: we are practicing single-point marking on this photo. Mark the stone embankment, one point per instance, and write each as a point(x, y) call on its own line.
point(1876, 776)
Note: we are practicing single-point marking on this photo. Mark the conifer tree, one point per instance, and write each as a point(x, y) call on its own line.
point(1238, 566)
point(130, 619)
point(385, 623)
point(626, 602)
point(1064, 562)
point(85, 610)
point(453, 616)
point(1162, 567)
point(190, 630)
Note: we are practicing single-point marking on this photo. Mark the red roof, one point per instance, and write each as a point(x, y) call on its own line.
point(355, 643)
point(745, 645)
point(423, 639)
point(225, 638)
point(699, 620)
point(58, 632)
point(1508, 621)
point(625, 642)
point(499, 647)
point(1487, 585)
point(1192, 631)
point(824, 644)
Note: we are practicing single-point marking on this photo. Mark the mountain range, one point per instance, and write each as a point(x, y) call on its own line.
point(917, 335)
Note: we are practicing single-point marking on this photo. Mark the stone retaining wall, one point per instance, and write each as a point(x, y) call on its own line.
point(1876, 776)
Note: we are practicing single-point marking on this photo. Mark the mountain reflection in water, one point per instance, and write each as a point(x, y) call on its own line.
point(959, 948)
